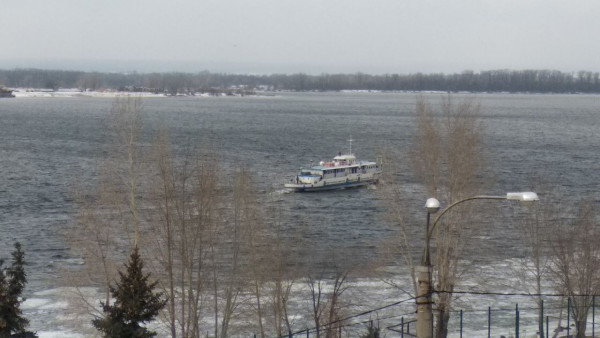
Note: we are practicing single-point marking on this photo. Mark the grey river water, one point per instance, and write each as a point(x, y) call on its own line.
point(48, 146)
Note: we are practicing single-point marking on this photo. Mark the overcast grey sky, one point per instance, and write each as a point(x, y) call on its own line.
point(312, 36)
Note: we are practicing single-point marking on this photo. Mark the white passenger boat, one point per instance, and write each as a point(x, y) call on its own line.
point(344, 171)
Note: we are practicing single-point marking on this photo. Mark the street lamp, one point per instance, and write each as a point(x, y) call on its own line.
point(432, 205)
point(424, 299)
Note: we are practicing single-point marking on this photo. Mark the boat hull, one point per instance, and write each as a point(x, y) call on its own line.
point(331, 186)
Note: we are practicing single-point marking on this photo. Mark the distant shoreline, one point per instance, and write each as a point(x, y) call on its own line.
point(188, 84)
point(76, 93)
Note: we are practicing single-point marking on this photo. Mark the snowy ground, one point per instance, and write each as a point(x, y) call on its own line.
point(54, 312)
point(24, 92)
point(74, 92)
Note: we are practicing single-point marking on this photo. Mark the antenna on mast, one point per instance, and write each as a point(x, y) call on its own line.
point(350, 143)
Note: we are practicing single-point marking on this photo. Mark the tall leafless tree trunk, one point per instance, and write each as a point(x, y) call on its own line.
point(339, 286)
point(126, 116)
point(253, 234)
point(576, 263)
point(448, 157)
point(534, 222)
point(400, 246)
point(326, 297)
point(108, 222)
point(187, 199)
point(233, 280)
point(166, 246)
point(317, 301)
point(282, 277)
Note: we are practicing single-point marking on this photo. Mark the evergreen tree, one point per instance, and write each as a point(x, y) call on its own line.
point(135, 303)
point(373, 332)
point(3, 302)
point(12, 284)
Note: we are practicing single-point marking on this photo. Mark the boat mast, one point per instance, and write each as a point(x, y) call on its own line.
point(350, 143)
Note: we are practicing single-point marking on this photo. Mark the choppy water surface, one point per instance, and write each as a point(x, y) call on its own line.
point(49, 146)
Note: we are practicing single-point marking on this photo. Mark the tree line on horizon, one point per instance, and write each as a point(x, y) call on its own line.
point(503, 80)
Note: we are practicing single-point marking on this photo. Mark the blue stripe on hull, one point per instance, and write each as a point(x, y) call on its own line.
point(334, 186)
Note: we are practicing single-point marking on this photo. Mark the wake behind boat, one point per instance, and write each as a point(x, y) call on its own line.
point(344, 171)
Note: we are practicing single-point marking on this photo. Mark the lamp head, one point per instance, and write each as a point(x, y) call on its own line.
point(526, 196)
point(432, 205)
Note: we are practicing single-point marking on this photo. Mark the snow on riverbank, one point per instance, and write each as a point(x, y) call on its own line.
point(66, 93)
point(23, 92)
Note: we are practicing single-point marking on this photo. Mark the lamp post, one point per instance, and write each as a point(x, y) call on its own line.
point(424, 290)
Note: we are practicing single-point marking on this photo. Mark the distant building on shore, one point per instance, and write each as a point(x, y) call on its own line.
point(5, 92)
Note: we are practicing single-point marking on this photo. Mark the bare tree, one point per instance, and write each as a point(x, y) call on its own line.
point(335, 304)
point(282, 277)
point(166, 246)
point(91, 81)
point(127, 119)
point(186, 196)
point(95, 238)
point(205, 238)
point(108, 222)
point(326, 288)
point(576, 263)
point(231, 275)
point(462, 157)
point(399, 246)
point(316, 286)
point(179, 196)
point(253, 232)
point(447, 156)
point(535, 265)
point(326, 305)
